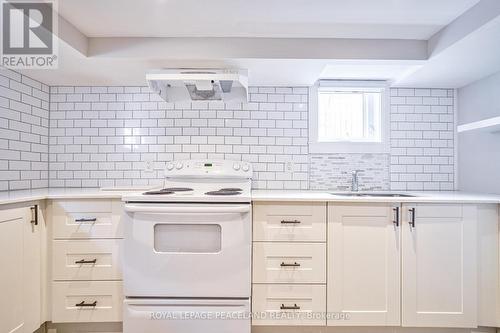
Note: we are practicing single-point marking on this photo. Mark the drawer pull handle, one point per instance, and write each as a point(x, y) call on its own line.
point(412, 217)
point(289, 307)
point(295, 264)
point(93, 219)
point(290, 221)
point(83, 304)
point(83, 261)
point(396, 216)
point(34, 215)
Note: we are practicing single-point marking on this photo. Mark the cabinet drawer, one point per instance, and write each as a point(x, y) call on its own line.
point(289, 263)
point(292, 221)
point(306, 303)
point(86, 219)
point(107, 296)
point(95, 259)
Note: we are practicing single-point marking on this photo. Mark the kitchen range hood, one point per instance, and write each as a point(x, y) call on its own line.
point(175, 85)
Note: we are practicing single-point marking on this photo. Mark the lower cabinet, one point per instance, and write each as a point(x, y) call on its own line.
point(387, 264)
point(289, 304)
point(439, 265)
point(289, 264)
point(488, 295)
point(86, 265)
point(87, 301)
point(363, 265)
point(86, 259)
point(21, 282)
point(417, 260)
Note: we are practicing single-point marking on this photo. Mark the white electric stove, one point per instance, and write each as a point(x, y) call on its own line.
point(187, 253)
point(201, 181)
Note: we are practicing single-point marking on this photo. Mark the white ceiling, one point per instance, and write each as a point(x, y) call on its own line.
point(472, 58)
point(394, 19)
point(353, 39)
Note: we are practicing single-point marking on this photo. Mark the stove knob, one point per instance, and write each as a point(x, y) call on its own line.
point(179, 166)
point(245, 167)
point(236, 166)
point(170, 166)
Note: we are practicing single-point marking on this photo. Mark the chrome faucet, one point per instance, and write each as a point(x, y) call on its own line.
point(355, 181)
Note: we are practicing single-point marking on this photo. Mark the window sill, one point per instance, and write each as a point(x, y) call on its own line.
point(348, 147)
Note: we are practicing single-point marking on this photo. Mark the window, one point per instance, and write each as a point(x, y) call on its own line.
point(349, 116)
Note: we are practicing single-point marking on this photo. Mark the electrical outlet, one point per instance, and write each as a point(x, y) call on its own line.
point(149, 166)
point(289, 166)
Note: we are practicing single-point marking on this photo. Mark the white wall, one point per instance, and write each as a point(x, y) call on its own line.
point(479, 153)
point(101, 136)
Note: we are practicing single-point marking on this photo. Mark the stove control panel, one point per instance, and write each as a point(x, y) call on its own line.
point(208, 168)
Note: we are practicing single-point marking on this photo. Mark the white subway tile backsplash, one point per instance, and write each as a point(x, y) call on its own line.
point(102, 136)
point(24, 122)
point(422, 140)
point(160, 131)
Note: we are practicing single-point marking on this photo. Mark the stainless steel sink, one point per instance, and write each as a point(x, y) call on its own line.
point(372, 195)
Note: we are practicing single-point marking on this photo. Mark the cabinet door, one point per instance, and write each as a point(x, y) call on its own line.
point(487, 265)
point(32, 274)
point(363, 264)
point(439, 265)
point(20, 282)
point(11, 279)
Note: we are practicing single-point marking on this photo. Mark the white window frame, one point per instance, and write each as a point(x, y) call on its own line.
point(348, 146)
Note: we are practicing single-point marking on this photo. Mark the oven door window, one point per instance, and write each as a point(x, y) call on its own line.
point(187, 238)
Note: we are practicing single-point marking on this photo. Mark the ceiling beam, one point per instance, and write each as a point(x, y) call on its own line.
point(257, 48)
point(484, 12)
point(70, 35)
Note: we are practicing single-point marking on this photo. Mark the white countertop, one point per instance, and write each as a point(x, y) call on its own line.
point(11, 197)
point(297, 195)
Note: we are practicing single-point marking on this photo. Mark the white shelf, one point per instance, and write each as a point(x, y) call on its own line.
point(491, 125)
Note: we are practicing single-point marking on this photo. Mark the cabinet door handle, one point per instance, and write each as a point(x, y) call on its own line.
point(83, 304)
point(289, 307)
point(396, 216)
point(34, 214)
point(295, 264)
point(412, 217)
point(290, 221)
point(92, 219)
point(83, 261)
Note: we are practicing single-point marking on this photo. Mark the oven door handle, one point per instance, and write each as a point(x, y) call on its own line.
point(138, 208)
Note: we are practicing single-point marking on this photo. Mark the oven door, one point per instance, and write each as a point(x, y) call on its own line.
point(187, 250)
point(186, 315)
